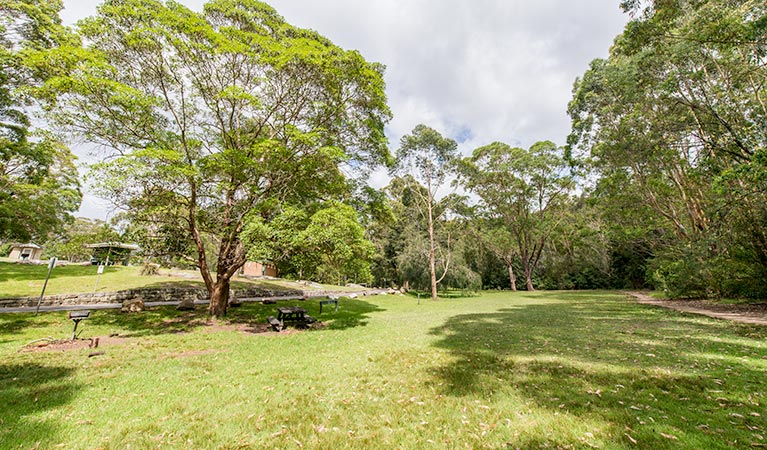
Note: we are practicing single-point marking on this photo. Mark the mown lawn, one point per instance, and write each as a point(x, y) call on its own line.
point(23, 280)
point(540, 370)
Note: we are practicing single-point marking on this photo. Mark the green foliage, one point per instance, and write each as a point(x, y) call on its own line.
point(424, 160)
point(674, 122)
point(328, 245)
point(215, 114)
point(39, 185)
point(522, 196)
point(69, 243)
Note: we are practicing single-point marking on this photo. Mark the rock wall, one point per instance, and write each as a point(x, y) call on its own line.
point(147, 295)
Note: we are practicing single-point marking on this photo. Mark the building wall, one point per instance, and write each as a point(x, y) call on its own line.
point(34, 253)
point(258, 269)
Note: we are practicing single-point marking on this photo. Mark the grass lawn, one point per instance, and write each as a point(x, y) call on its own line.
point(501, 370)
point(24, 280)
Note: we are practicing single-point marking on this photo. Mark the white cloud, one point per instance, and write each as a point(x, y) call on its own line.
point(479, 71)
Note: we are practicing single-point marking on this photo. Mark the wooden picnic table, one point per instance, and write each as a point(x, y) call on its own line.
point(291, 313)
point(294, 314)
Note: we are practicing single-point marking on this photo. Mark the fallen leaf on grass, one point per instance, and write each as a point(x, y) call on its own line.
point(633, 441)
point(669, 436)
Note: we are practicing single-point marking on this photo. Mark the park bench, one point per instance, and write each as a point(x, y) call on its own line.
point(329, 301)
point(276, 324)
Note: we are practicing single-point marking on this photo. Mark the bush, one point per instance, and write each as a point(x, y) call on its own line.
point(149, 269)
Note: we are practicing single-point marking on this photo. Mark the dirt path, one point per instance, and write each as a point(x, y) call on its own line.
point(755, 313)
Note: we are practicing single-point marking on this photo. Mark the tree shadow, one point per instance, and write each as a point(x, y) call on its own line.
point(15, 323)
point(352, 312)
point(444, 294)
point(646, 373)
point(27, 390)
point(161, 320)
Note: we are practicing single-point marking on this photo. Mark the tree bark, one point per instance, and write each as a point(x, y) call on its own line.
point(432, 266)
point(528, 269)
point(512, 277)
point(219, 297)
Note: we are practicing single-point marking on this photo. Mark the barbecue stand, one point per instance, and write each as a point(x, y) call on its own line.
point(76, 317)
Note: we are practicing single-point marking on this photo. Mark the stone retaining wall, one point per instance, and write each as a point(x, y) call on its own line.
point(147, 295)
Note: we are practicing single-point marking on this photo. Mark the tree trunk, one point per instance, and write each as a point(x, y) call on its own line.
point(219, 297)
point(432, 266)
point(528, 269)
point(529, 282)
point(512, 278)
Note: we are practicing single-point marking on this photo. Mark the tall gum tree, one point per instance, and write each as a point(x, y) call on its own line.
point(208, 116)
point(428, 158)
point(521, 195)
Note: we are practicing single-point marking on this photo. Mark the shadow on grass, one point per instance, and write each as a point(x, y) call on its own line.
point(26, 391)
point(351, 312)
point(451, 294)
point(167, 320)
point(15, 323)
point(646, 373)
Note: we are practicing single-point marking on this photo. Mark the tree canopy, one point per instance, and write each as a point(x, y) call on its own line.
point(212, 115)
point(676, 125)
point(39, 183)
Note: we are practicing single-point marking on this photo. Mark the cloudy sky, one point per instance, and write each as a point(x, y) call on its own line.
point(477, 71)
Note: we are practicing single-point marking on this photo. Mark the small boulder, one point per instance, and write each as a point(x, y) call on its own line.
point(186, 304)
point(234, 303)
point(135, 305)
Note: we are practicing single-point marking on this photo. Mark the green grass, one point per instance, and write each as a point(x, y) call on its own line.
point(501, 370)
point(24, 280)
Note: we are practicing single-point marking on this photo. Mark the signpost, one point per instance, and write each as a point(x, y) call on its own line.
point(99, 271)
point(51, 265)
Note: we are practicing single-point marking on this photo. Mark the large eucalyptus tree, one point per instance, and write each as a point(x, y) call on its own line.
point(522, 194)
point(675, 122)
point(425, 160)
point(209, 116)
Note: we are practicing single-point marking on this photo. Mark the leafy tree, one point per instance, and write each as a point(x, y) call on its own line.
point(675, 118)
point(328, 245)
point(39, 185)
point(70, 243)
point(427, 157)
point(521, 195)
point(337, 240)
point(578, 255)
point(213, 115)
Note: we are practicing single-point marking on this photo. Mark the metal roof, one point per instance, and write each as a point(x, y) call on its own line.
point(113, 245)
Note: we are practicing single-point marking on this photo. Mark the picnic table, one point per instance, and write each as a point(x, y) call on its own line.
point(291, 313)
point(294, 314)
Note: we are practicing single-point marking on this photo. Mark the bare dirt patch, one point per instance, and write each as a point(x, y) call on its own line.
point(65, 345)
point(751, 313)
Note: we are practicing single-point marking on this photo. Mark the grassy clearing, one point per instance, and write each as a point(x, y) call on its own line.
point(22, 280)
point(567, 370)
